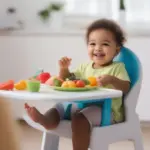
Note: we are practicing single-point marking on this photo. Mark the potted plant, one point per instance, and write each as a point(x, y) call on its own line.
point(57, 15)
point(53, 13)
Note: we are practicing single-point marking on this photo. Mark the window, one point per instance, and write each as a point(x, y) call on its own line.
point(80, 13)
point(137, 10)
point(92, 8)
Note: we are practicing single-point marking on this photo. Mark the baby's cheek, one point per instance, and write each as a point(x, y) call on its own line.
point(90, 53)
point(110, 53)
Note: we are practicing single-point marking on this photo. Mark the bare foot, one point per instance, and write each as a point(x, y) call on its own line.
point(49, 121)
point(34, 114)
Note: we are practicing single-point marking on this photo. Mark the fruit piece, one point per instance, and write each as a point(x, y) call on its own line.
point(54, 81)
point(92, 80)
point(20, 85)
point(86, 82)
point(9, 85)
point(43, 77)
point(57, 82)
point(65, 84)
point(69, 84)
point(80, 83)
point(50, 81)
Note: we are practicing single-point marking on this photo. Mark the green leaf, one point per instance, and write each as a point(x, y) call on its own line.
point(44, 14)
point(56, 7)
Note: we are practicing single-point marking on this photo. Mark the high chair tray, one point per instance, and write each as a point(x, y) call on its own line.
point(49, 94)
point(75, 89)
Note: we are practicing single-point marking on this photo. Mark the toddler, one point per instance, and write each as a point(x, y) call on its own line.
point(104, 40)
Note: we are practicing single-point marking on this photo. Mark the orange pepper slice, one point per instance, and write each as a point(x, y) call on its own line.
point(20, 85)
point(93, 81)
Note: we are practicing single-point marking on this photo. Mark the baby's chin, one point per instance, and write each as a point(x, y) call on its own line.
point(100, 63)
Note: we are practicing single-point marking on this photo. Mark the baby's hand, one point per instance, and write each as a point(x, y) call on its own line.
point(64, 62)
point(105, 80)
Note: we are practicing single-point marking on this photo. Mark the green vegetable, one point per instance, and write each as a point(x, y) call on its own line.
point(57, 82)
point(86, 81)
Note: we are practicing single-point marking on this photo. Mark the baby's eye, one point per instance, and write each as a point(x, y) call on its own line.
point(93, 44)
point(105, 44)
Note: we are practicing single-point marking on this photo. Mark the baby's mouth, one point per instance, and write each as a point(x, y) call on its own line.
point(99, 55)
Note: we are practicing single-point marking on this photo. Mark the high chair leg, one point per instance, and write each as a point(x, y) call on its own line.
point(98, 147)
point(137, 137)
point(50, 141)
point(138, 142)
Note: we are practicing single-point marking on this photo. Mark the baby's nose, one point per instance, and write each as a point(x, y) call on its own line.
point(98, 48)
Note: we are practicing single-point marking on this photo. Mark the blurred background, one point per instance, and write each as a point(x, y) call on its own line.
point(35, 34)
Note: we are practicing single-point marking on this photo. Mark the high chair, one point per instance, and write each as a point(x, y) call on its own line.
point(102, 136)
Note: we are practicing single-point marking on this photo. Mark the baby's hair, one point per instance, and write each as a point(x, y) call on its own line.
point(109, 25)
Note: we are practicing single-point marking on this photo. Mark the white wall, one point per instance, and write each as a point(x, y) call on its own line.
point(21, 55)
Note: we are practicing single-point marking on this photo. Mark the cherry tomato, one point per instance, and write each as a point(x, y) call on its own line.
point(80, 83)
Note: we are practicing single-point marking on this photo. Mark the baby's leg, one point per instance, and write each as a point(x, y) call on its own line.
point(50, 119)
point(82, 123)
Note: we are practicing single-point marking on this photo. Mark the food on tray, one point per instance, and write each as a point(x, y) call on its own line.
point(21, 85)
point(43, 77)
point(8, 85)
point(54, 81)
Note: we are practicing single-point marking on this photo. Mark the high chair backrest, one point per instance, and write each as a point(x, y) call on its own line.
point(134, 69)
point(131, 62)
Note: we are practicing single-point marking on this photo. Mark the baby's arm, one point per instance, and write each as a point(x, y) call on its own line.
point(120, 84)
point(64, 64)
point(64, 73)
point(117, 83)
point(120, 80)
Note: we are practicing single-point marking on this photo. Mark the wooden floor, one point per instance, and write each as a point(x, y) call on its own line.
point(31, 140)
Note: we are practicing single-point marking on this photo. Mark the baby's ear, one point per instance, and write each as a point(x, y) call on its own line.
point(118, 50)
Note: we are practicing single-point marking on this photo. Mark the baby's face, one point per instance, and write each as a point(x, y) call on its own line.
point(102, 47)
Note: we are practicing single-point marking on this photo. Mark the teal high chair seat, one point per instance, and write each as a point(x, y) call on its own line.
point(102, 136)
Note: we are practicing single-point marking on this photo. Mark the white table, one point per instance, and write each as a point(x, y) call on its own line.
point(48, 94)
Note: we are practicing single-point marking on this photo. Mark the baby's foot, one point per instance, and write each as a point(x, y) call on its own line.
point(37, 117)
point(34, 114)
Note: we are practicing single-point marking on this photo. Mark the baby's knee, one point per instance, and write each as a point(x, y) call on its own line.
point(79, 121)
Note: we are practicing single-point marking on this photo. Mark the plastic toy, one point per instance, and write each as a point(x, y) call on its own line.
point(38, 72)
point(8, 85)
point(33, 85)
